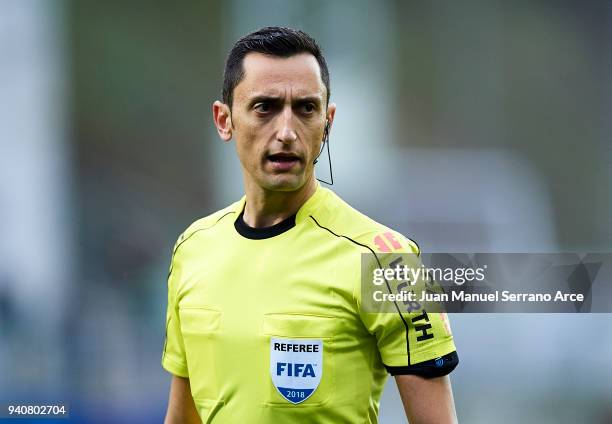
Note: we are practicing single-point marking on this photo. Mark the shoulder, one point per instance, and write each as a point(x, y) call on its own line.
point(206, 223)
point(342, 220)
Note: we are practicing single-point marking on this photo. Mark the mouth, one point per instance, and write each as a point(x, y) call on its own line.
point(283, 161)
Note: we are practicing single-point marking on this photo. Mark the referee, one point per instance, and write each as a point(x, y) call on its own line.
point(264, 320)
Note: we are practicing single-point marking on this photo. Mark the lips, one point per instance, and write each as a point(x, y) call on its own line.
point(281, 162)
point(283, 157)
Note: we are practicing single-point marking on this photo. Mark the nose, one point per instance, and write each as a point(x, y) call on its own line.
point(286, 133)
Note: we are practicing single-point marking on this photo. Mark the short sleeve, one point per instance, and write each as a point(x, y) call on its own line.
point(409, 338)
point(173, 356)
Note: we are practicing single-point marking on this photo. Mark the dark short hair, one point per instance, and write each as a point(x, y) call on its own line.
point(274, 41)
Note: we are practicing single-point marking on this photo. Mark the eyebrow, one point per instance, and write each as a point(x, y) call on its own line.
point(278, 99)
point(309, 99)
point(264, 98)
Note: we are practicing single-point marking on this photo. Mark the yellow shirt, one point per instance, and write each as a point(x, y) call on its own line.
point(267, 324)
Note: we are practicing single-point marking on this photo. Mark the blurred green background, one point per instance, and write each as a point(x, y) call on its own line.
point(476, 126)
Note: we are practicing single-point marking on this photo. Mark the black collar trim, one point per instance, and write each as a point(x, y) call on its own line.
point(264, 232)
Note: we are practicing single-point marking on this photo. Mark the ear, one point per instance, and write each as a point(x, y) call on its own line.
point(331, 113)
point(223, 120)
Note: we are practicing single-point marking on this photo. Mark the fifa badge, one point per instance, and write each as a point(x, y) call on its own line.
point(296, 366)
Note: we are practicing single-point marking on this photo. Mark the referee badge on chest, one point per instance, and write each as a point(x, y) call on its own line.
point(296, 366)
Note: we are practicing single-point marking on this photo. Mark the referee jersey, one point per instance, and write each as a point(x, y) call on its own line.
point(267, 322)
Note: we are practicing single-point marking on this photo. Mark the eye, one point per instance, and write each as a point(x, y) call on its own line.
point(262, 107)
point(308, 108)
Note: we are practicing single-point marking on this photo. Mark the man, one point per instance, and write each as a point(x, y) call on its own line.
point(264, 323)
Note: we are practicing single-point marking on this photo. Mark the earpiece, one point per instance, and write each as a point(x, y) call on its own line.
point(326, 141)
point(326, 131)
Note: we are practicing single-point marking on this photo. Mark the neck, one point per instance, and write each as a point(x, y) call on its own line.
point(265, 208)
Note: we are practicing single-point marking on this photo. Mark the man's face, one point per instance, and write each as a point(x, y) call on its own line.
point(278, 118)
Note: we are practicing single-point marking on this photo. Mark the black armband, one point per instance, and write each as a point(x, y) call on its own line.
point(429, 369)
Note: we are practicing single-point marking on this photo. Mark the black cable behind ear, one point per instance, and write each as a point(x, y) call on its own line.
point(326, 141)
